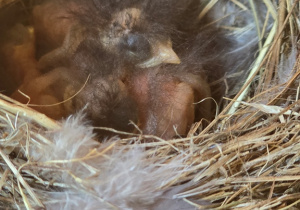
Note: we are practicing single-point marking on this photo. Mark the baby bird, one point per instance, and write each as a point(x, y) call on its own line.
point(68, 40)
point(59, 92)
point(119, 60)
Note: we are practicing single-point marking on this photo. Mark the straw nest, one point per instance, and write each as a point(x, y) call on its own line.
point(247, 158)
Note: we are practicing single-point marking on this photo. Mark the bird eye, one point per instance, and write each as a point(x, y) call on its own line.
point(136, 46)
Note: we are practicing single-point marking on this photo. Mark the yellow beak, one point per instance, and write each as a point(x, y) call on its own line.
point(162, 53)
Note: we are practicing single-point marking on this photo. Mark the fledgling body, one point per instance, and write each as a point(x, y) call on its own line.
point(124, 48)
point(60, 92)
point(128, 38)
point(120, 41)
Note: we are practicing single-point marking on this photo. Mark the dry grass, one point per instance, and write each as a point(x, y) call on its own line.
point(247, 158)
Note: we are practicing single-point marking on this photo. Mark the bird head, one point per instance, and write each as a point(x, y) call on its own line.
point(129, 31)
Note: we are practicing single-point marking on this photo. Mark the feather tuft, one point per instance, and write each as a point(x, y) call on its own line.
point(124, 177)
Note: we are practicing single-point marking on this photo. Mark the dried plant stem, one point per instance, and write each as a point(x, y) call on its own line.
point(271, 8)
point(20, 179)
point(207, 8)
point(256, 67)
point(256, 23)
point(29, 114)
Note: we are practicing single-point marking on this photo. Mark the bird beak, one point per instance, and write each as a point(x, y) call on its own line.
point(162, 53)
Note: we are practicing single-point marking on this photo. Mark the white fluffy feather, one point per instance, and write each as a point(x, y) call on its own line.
point(124, 177)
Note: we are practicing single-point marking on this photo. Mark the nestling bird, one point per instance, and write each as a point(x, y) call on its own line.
point(119, 41)
point(59, 92)
point(130, 51)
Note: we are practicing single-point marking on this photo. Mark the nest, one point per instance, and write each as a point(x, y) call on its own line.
point(246, 158)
